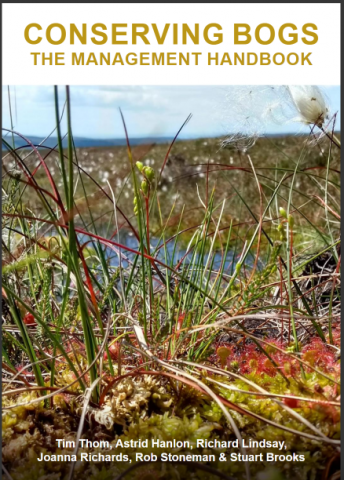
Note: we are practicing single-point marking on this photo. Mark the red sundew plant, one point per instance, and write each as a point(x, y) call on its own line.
point(250, 359)
point(23, 371)
point(291, 402)
point(327, 410)
point(180, 323)
point(114, 350)
point(29, 319)
point(318, 354)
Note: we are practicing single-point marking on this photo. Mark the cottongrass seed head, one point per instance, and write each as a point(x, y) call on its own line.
point(250, 111)
point(310, 104)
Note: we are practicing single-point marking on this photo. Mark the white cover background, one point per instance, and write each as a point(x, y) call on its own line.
point(18, 68)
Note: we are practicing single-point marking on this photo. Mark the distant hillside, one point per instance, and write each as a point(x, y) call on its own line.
point(81, 142)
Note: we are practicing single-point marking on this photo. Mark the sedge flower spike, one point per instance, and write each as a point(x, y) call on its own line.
point(310, 104)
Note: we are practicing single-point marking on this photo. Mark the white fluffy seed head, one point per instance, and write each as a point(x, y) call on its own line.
point(309, 103)
point(249, 111)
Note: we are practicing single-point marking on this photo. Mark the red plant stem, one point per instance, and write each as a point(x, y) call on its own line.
point(332, 138)
point(9, 369)
point(171, 145)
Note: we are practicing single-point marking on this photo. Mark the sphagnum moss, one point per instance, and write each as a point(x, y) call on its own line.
point(134, 406)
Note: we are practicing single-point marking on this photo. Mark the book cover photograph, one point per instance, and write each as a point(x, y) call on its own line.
point(171, 242)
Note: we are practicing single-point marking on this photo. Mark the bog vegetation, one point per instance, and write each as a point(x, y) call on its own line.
point(185, 292)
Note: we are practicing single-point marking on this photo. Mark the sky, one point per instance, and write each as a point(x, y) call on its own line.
point(157, 111)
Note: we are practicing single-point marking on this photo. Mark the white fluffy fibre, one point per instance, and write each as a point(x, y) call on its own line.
point(310, 104)
point(248, 111)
